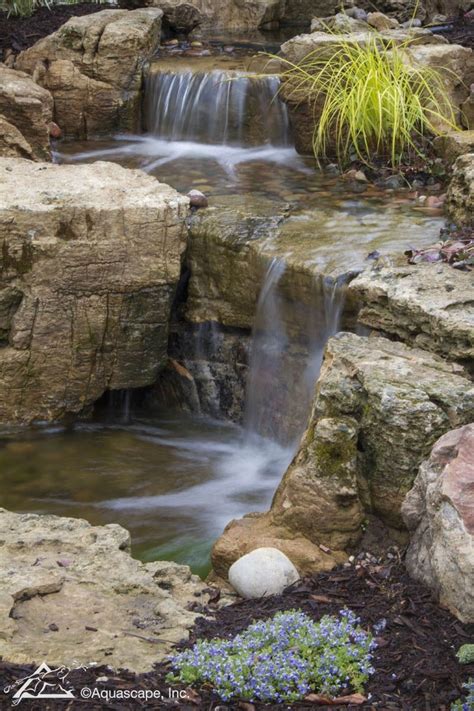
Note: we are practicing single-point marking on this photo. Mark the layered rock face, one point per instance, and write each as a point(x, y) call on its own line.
point(26, 111)
point(379, 406)
point(93, 67)
point(91, 257)
point(429, 306)
point(72, 594)
point(439, 512)
point(460, 195)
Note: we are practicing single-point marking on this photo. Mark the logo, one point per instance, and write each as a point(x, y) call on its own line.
point(43, 683)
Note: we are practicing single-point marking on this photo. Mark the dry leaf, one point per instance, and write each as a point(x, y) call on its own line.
point(192, 696)
point(180, 369)
point(325, 700)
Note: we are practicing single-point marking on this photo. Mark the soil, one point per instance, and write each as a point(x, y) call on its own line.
point(416, 667)
point(19, 33)
point(461, 31)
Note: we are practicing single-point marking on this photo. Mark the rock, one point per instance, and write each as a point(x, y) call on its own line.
point(178, 16)
point(467, 110)
point(54, 130)
point(460, 194)
point(264, 571)
point(136, 610)
point(357, 13)
point(26, 110)
point(456, 67)
point(450, 146)
point(426, 305)
point(439, 512)
point(197, 199)
point(394, 182)
point(93, 67)
point(340, 23)
point(378, 408)
point(381, 22)
point(95, 253)
point(301, 12)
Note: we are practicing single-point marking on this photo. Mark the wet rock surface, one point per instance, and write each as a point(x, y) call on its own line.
point(427, 305)
point(91, 260)
point(379, 406)
point(71, 593)
point(26, 111)
point(93, 67)
point(439, 512)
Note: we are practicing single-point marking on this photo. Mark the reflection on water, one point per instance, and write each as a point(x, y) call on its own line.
point(174, 481)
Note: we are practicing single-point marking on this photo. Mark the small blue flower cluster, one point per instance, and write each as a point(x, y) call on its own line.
point(282, 659)
point(468, 703)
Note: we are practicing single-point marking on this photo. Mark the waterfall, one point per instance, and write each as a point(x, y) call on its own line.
point(216, 107)
point(288, 343)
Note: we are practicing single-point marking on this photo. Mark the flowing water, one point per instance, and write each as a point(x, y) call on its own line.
point(175, 480)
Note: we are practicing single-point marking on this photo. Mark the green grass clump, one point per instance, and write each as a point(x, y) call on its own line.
point(368, 99)
point(465, 654)
point(25, 8)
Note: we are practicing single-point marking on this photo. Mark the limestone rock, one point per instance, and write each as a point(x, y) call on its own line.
point(427, 305)
point(450, 146)
point(107, 607)
point(264, 571)
point(26, 111)
point(93, 67)
point(460, 195)
point(467, 110)
point(381, 22)
point(340, 23)
point(455, 65)
point(379, 406)
point(179, 16)
point(211, 14)
point(90, 261)
point(439, 511)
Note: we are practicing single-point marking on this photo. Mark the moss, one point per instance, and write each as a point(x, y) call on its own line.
point(333, 456)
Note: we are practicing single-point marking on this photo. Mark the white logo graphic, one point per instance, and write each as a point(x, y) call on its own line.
point(43, 683)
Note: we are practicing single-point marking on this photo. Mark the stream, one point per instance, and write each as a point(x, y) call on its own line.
point(176, 479)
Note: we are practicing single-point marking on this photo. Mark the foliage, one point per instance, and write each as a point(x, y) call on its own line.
point(456, 247)
point(468, 703)
point(25, 8)
point(368, 98)
point(465, 654)
point(282, 659)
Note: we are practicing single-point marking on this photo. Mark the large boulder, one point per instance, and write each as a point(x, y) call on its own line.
point(427, 305)
point(93, 67)
point(91, 257)
point(460, 195)
point(26, 111)
point(71, 593)
point(439, 512)
point(379, 406)
point(453, 144)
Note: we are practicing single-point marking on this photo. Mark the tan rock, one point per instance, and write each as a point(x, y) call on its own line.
point(460, 195)
point(26, 111)
point(467, 110)
point(106, 607)
point(455, 65)
point(93, 67)
point(439, 511)
point(450, 146)
point(379, 406)
point(430, 306)
point(90, 261)
point(381, 22)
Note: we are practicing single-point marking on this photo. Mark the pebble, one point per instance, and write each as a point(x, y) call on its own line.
point(197, 199)
point(171, 43)
point(54, 130)
point(393, 182)
point(417, 183)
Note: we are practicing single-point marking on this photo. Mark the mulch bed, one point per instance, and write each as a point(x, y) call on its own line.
point(461, 31)
point(416, 668)
point(19, 33)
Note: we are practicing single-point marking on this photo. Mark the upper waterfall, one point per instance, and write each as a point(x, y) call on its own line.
point(217, 107)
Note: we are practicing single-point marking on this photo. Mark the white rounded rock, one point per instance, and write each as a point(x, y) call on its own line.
point(264, 571)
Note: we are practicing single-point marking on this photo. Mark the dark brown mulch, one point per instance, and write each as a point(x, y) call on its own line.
point(19, 33)
point(416, 667)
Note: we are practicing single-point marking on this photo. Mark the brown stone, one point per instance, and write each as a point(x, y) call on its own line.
point(26, 112)
point(93, 67)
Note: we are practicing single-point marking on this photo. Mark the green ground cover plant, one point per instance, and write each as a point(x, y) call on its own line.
point(282, 659)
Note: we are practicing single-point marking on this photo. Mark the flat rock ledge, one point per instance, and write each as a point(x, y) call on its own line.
point(430, 306)
point(90, 260)
point(70, 593)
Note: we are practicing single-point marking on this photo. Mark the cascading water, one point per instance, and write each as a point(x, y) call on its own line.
point(217, 107)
